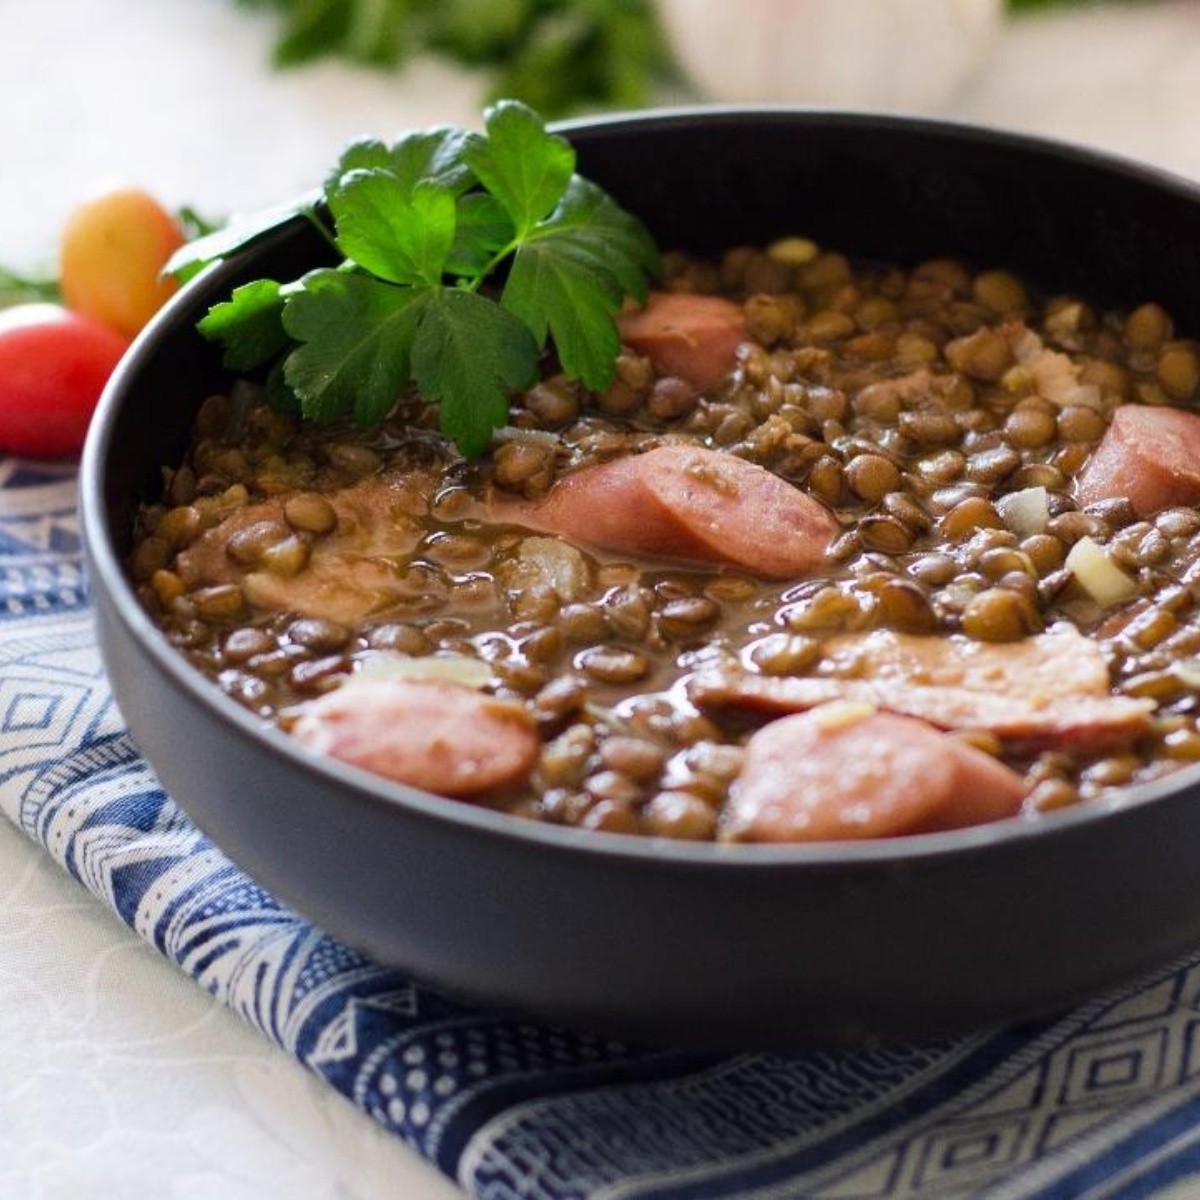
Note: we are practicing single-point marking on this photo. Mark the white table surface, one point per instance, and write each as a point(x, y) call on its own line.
point(118, 1077)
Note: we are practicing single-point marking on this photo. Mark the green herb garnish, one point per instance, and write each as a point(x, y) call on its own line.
point(195, 224)
point(16, 288)
point(464, 257)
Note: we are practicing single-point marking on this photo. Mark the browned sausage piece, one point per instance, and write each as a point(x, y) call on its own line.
point(694, 337)
point(733, 511)
point(605, 505)
point(1047, 692)
point(845, 771)
point(689, 503)
point(1151, 456)
point(441, 737)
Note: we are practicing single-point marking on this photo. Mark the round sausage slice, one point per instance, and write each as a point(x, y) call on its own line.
point(725, 509)
point(441, 737)
point(1151, 455)
point(693, 337)
point(688, 503)
point(845, 772)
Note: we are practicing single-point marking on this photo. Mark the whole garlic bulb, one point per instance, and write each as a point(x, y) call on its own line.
point(907, 54)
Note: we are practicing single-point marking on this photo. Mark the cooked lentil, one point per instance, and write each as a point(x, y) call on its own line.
point(908, 402)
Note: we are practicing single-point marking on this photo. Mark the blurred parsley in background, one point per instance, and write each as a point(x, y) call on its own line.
point(557, 55)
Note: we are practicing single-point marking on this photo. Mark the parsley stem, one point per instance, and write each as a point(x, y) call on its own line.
point(473, 285)
point(310, 214)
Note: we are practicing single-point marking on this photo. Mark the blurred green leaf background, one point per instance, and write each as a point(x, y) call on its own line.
point(559, 56)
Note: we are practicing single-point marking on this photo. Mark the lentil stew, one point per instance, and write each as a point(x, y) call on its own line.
point(846, 551)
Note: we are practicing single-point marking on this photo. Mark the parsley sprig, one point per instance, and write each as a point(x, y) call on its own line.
point(466, 255)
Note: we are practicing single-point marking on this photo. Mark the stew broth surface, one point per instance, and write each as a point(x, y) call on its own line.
point(943, 418)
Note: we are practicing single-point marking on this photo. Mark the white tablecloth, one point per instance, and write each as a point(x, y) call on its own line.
point(118, 1077)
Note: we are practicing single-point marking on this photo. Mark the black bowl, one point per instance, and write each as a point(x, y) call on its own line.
point(704, 944)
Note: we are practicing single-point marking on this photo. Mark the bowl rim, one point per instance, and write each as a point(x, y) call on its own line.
point(375, 792)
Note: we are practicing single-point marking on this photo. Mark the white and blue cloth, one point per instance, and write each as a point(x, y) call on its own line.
point(1102, 1102)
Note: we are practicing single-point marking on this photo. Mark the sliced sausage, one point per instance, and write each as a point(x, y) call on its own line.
point(441, 737)
point(688, 503)
point(694, 337)
point(846, 771)
point(1047, 692)
point(1150, 456)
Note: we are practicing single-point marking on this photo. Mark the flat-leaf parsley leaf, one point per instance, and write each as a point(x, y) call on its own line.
point(355, 338)
point(249, 325)
point(464, 256)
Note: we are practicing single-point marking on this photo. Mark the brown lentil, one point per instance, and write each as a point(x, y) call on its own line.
point(999, 615)
point(680, 815)
point(521, 465)
point(990, 466)
point(871, 476)
point(784, 653)
point(984, 355)
point(319, 674)
point(318, 634)
point(167, 586)
point(1147, 327)
point(971, 514)
point(640, 760)
point(929, 427)
point(249, 545)
point(825, 480)
point(910, 403)
point(310, 513)
point(1178, 372)
point(612, 664)
point(243, 644)
point(1030, 428)
point(287, 557)
point(687, 616)
point(219, 603)
point(608, 816)
point(885, 533)
point(1001, 292)
point(1052, 794)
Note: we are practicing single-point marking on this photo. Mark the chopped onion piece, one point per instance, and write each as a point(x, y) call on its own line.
point(839, 715)
point(1025, 512)
point(1098, 575)
point(1026, 345)
point(444, 668)
point(558, 564)
point(1055, 376)
point(1088, 395)
point(1066, 320)
point(1187, 671)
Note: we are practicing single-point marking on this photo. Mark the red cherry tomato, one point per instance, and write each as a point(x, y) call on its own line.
point(53, 366)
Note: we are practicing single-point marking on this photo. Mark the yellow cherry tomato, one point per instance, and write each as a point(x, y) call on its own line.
point(113, 250)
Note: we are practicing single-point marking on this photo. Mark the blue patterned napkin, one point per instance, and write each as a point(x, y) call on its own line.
point(1103, 1102)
